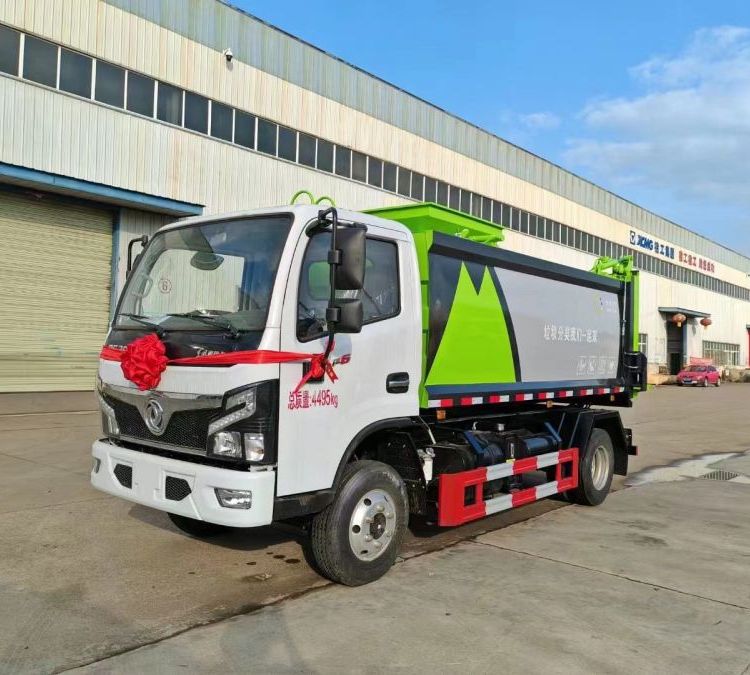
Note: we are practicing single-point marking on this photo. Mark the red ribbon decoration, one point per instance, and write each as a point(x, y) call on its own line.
point(144, 360)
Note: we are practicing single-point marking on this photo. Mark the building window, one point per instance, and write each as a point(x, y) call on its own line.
point(533, 230)
point(404, 181)
point(221, 120)
point(196, 112)
point(244, 129)
point(505, 218)
point(40, 61)
point(359, 167)
point(476, 205)
point(515, 218)
point(306, 149)
point(486, 209)
point(267, 132)
point(287, 144)
point(75, 73)
point(140, 94)
point(721, 353)
point(465, 201)
point(168, 103)
point(429, 189)
point(417, 186)
point(325, 155)
point(389, 176)
point(497, 213)
point(442, 193)
point(375, 172)
point(109, 87)
point(10, 41)
point(454, 197)
point(643, 343)
point(343, 162)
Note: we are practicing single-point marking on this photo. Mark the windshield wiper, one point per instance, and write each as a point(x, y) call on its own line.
point(138, 318)
point(210, 320)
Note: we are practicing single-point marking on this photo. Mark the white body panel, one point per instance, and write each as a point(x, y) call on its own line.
point(313, 440)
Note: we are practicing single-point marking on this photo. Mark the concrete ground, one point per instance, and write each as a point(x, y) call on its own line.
point(633, 586)
point(84, 576)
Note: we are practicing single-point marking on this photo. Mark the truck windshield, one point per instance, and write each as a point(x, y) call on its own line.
point(213, 277)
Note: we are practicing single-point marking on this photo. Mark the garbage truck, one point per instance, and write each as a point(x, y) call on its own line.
point(348, 371)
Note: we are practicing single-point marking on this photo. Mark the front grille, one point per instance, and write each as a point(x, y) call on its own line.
point(176, 489)
point(187, 428)
point(124, 474)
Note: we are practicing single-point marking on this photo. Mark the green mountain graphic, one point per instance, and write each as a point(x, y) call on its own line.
point(475, 348)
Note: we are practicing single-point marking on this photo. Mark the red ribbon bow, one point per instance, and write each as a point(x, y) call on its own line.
point(144, 360)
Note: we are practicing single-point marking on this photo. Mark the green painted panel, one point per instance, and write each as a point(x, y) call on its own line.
point(475, 347)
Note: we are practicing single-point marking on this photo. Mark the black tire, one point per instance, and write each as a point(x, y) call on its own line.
point(199, 529)
point(705, 381)
point(332, 551)
point(718, 382)
point(590, 492)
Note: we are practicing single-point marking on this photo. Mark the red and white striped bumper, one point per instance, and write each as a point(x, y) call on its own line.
point(452, 487)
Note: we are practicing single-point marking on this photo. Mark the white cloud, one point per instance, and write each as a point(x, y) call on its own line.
point(540, 121)
point(688, 133)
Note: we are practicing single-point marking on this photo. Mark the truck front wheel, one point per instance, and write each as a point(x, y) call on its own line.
point(595, 469)
point(356, 538)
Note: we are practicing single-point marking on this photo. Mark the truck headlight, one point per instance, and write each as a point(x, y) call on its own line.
point(245, 399)
point(245, 428)
point(254, 447)
point(227, 444)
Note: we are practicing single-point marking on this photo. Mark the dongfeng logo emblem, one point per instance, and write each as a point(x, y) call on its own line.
point(154, 416)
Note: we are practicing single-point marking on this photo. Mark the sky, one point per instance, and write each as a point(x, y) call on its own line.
point(647, 98)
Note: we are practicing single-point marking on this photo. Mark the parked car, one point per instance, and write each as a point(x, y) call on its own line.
point(699, 375)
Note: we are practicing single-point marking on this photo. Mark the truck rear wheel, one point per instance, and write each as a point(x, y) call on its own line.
point(595, 469)
point(199, 529)
point(356, 538)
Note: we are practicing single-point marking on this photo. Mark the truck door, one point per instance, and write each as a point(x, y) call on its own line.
point(318, 422)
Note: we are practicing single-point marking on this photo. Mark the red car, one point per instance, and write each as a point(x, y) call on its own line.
point(702, 375)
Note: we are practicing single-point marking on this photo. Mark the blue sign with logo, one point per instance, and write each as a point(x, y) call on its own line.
point(648, 244)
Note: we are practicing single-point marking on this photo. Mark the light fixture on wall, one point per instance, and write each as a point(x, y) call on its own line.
point(228, 55)
point(706, 322)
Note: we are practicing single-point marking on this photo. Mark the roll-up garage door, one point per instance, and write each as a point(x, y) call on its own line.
point(55, 262)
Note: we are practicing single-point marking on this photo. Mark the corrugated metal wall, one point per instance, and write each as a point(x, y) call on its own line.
point(277, 76)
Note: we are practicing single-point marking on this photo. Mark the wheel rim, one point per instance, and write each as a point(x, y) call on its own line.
point(372, 525)
point(600, 467)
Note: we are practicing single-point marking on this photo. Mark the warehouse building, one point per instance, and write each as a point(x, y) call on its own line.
point(118, 116)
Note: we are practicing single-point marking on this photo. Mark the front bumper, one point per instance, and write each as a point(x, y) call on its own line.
point(148, 475)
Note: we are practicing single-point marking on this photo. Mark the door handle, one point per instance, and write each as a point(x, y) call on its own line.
point(397, 383)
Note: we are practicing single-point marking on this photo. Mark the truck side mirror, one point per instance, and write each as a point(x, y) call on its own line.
point(347, 315)
point(350, 270)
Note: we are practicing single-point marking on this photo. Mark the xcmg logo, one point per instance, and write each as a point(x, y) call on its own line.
point(648, 244)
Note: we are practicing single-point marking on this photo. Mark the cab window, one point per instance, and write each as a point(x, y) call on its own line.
point(380, 295)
